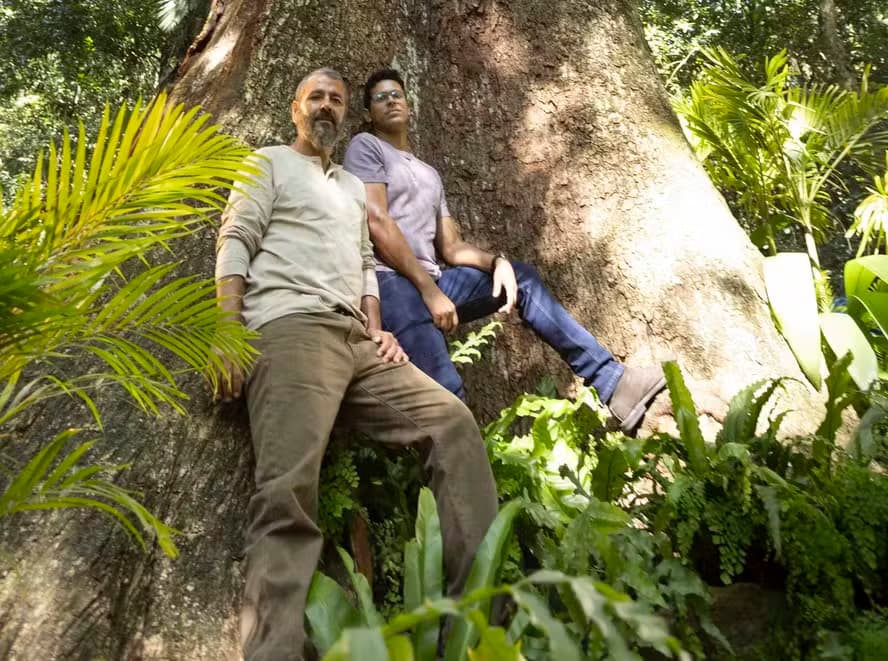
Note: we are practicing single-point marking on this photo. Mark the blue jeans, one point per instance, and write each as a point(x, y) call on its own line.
point(405, 315)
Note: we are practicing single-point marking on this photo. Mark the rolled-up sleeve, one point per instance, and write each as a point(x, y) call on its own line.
point(368, 261)
point(245, 220)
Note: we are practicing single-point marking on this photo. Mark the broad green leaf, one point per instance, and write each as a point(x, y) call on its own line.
point(609, 476)
point(412, 576)
point(495, 647)
point(520, 622)
point(430, 611)
point(867, 442)
point(595, 609)
point(649, 628)
point(329, 612)
point(400, 648)
point(876, 304)
point(844, 336)
point(841, 393)
point(860, 273)
point(685, 412)
point(359, 645)
point(605, 518)
point(369, 615)
point(790, 285)
point(428, 538)
point(561, 646)
point(487, 564)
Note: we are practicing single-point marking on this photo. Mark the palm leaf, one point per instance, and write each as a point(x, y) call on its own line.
point(156, 173)
point(39, 486)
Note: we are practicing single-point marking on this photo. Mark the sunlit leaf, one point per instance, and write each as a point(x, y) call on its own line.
point(790, 285)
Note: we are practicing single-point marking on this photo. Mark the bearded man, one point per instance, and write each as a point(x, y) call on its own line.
point(294, 262)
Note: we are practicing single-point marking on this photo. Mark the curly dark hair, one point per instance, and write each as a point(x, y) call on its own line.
point(376, 76)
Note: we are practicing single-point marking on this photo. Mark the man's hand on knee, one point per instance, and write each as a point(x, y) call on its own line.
point(442, 309)
point(504, 280)
point(390, 349)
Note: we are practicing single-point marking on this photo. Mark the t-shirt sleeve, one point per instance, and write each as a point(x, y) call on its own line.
point(443, 211)
point(365, 160)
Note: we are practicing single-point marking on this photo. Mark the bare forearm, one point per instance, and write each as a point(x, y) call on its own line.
point(230, 295)
point(370, 307)
point(397, 254)
point(465, 254)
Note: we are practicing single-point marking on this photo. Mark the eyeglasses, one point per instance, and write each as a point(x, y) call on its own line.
point(387, 94)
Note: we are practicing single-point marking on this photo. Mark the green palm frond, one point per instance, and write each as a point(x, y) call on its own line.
point(46, 482)
point(776, 148)
point(82, 307)
point(153, 174)
point(871, 218)
point(70, 232)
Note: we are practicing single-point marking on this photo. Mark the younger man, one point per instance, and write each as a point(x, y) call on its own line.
point(412, 229)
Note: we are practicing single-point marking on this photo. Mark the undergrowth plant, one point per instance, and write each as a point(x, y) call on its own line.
point(802, 511)
point(555, 615)
point(658, 520)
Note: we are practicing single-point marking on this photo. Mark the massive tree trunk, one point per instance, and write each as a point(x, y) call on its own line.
point(557, 146)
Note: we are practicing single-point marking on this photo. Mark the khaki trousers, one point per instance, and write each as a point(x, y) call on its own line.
point(313, 367)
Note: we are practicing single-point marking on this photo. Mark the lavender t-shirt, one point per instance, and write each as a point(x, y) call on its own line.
point(413, 188)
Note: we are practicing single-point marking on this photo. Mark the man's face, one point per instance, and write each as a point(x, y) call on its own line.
point(319, 110)
point(388, 106)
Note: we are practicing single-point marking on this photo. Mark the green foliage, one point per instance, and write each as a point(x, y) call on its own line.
point(598, 620)
point(776, 148)
point(859, 332)
point(83, 309)
point(652, 521)
point(677, 31)
point(468, 351)
point(427, 582)
point(801, 505)
point(62, 62)
point(484, 573)
point(566, 468)
point(791, 295)
point(871, 218)
point(33, 487)
point(866, 639)
point(337, 495)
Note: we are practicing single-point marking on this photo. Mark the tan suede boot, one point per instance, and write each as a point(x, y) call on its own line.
point(635, 390)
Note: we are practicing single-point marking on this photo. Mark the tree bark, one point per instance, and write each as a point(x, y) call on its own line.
point(835, 51)
point(557, 145)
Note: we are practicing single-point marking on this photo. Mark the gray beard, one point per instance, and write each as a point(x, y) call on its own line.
point(323, 136)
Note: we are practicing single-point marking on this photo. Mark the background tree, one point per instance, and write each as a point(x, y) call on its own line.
point(62, 61)
point(557, 144)
point(830, 40)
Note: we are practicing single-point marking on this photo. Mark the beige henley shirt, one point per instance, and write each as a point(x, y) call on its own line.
point(299, 237)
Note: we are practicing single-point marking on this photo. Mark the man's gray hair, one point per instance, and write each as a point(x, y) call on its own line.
point(323, 71)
